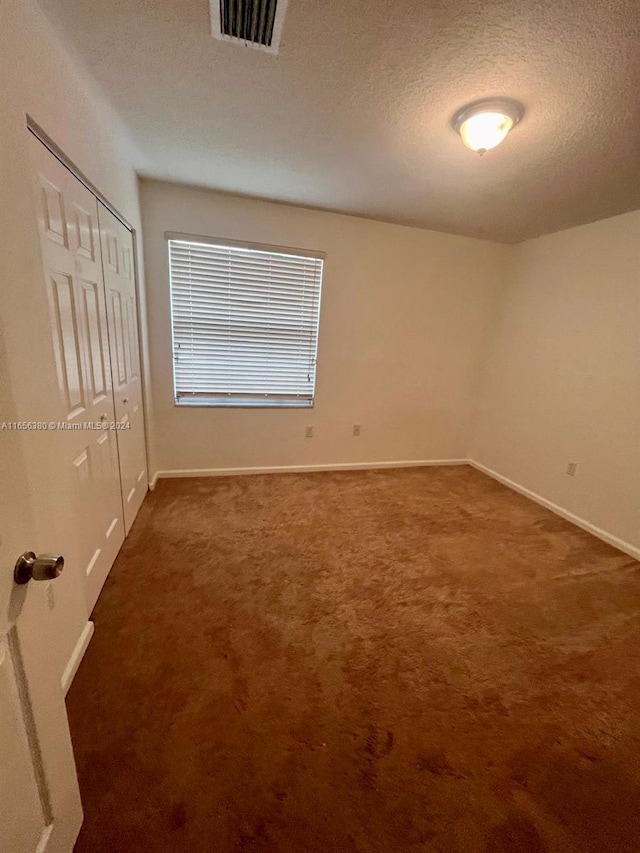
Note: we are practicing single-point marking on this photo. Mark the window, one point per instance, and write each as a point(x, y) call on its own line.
point(244, 323)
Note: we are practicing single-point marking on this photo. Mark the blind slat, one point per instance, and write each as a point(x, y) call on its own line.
point(244, 323)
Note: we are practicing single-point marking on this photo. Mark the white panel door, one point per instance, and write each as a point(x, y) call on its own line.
point(119, 279)
point(22, 819)
point(40, 802)
point(74, 288)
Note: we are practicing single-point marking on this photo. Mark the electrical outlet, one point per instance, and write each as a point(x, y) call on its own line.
point(308, 433)
point(356, 429)
point(572, 467)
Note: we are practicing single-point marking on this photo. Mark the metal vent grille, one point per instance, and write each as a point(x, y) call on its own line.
point(254, 23)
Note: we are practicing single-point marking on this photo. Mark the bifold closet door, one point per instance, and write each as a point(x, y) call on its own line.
point(117, 262)
point(74, 291)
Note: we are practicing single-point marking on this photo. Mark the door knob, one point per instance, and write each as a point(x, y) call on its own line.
point(44, 567)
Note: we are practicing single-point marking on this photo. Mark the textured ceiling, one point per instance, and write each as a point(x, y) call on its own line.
point(354, 113)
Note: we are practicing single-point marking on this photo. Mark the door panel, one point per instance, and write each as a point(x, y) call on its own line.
point(70, 241)
point(22, 820)
point(98, 371)
point(115, 318)
point(117, 250)
point(69, 355)
point(84, 233)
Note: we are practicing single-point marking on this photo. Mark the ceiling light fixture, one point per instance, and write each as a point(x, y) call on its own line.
point(484, 124)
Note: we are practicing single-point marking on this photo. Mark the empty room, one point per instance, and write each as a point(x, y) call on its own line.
point(320, 426)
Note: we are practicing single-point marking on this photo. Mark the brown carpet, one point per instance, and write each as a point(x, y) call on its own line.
point(411, 660)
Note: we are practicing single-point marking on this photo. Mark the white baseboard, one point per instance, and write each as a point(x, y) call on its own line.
point(609, 538)
point(300, 469)
point(78, 653)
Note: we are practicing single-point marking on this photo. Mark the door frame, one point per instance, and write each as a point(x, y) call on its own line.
point(40, 134)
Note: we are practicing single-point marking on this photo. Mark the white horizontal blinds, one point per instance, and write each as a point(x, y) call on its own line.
point(245, 324)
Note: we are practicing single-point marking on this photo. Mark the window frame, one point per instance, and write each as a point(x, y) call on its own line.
point(255, 402)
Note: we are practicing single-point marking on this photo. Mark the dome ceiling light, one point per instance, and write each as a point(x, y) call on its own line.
point(485, 124)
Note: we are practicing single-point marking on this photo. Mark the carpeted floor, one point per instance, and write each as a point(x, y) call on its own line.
point(410, 660)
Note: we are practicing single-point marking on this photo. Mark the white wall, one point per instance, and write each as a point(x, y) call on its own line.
point(404, 317)
point(563, 375)
point(39, 79)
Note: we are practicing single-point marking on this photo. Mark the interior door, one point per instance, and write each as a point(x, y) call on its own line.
point(73, 281)
point(41, 808)
point(117, 263)
point(41, 622)
point(22, 820)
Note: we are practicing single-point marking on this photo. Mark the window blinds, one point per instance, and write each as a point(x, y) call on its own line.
point(245, 324)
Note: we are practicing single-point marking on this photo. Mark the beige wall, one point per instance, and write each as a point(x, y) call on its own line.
point(563, 375)
point(39, 78)
point(404, 317)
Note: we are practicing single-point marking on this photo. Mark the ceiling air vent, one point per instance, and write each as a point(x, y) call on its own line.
point(253, 23)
